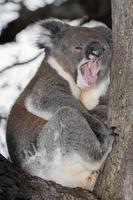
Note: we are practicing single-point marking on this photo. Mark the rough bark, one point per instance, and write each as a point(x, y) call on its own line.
point(116, 182)
point(16, 185)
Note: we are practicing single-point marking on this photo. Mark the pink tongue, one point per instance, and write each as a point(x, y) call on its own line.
point(89, 72)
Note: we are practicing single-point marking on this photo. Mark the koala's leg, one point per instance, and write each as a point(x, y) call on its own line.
point(68, 151)
point(48, 110)
point(100, 112)
point(103, 133)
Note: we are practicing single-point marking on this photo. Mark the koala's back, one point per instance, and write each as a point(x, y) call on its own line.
point(22, 130)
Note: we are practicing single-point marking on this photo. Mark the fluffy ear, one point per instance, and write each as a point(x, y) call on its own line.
point(106, 33)
point(48, 30)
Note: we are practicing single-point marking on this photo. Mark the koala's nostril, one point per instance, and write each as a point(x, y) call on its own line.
point(95, 49)
point(97, 52)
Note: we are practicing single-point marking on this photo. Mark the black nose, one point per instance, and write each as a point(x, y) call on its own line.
point(95, 49)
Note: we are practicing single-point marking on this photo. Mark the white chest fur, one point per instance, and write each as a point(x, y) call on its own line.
point(90, 97)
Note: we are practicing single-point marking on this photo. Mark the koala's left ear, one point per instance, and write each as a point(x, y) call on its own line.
point(106, 33)
point(48, 30)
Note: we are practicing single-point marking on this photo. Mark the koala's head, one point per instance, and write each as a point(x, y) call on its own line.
point(83, 52)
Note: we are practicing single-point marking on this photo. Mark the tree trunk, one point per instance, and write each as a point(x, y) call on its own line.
point(17, 185)
point(116, 181)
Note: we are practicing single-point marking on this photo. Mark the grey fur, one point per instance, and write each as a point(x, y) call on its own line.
point(78, 131)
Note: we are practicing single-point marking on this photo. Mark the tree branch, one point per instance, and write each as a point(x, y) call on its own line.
point(3, 118)
point(19, 63)
point(98, 10)
point(17, 185)
point(27, 17)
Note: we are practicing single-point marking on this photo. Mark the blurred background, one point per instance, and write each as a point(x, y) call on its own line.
point(19, 59)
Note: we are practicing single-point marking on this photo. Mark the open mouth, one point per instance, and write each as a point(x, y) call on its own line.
point(88, 70)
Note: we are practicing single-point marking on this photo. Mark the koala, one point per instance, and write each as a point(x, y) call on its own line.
point(50, 131)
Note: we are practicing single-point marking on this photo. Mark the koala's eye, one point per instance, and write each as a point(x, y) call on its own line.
point(78, 48)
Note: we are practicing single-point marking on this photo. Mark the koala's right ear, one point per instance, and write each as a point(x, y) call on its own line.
point(47, 31)
point(106, 33)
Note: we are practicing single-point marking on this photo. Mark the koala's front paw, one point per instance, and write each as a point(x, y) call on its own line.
point(104, 134)
point(99, 128)
point(92, 180)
